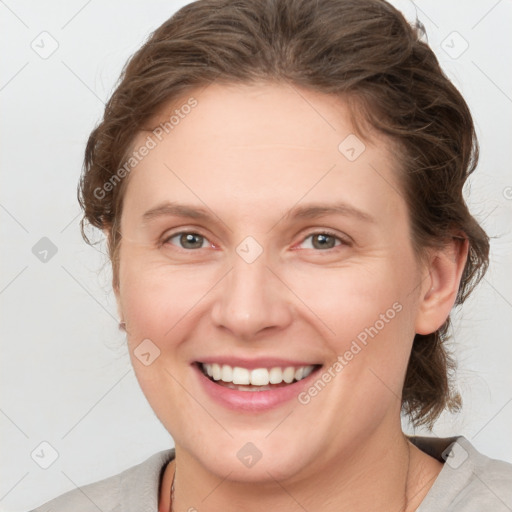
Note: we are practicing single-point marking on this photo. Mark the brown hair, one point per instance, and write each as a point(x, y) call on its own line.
point(361, 50)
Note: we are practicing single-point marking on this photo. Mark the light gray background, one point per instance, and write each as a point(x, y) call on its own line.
point(66, 375)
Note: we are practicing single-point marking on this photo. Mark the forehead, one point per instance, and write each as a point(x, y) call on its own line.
point(267, 143)
point(257, 115)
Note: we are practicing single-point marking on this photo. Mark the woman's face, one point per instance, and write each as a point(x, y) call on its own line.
point(298, 254)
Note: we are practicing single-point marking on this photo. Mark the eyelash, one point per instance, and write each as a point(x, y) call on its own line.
point(343, 242)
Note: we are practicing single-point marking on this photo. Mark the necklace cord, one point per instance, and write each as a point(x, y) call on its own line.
point(172, 488)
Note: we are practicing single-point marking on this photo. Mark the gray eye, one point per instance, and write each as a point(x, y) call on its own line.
point(189, 240)
point(321, 241)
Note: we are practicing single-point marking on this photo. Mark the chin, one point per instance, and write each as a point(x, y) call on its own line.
point(269, 468)
point(261, 460)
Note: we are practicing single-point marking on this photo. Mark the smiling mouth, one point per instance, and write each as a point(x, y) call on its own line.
point(257, 379)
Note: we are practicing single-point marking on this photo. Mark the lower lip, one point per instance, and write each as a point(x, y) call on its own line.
point(252, 401)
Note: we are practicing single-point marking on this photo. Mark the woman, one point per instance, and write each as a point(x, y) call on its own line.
point(280, 183)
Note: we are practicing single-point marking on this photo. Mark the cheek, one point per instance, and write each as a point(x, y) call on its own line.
point(349, 299)
point(156, 297)
point(367, 315)
point(156, 300)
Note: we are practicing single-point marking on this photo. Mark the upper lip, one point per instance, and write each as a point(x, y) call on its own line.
point(260, 362)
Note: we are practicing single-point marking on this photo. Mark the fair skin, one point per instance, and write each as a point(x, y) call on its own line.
point(249, 155)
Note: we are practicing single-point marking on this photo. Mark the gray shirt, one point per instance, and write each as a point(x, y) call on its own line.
point(468, 482)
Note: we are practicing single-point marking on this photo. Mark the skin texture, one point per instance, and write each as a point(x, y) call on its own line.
point(250, 154)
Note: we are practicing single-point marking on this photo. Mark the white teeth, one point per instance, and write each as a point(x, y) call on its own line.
point(276, 376)
point(216, 371)
point(258, 376)
point(289, 374)
point(227, 373)
point(241, 375)
point(307, 371)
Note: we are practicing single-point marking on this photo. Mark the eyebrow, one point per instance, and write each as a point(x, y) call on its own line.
point(309, 211)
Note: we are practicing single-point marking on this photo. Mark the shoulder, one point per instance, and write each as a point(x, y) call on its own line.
point(469, 480)
point(135, 488)
point(490, 479)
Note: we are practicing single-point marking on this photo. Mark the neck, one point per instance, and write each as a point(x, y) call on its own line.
point(393, 476)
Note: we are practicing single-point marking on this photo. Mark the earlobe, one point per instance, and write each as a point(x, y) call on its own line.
point(115, 287)
point(440, 288)
point(122, 323)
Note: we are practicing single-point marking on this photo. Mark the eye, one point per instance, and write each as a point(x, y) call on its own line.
point(188, 240)
point(322, 241)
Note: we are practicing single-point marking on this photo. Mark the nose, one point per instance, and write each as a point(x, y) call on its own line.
point(252, 299)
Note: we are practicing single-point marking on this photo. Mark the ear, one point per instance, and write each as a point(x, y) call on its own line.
point(440, 287)
point(115, 288)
